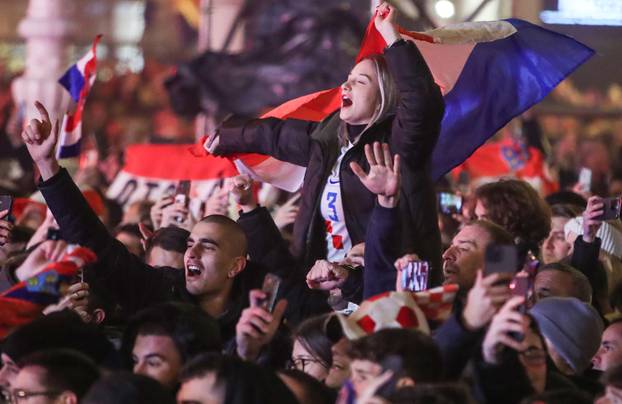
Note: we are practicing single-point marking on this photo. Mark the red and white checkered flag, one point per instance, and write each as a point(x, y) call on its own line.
point(400, 310)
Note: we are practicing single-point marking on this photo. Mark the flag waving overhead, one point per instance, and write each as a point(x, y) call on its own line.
point(489, 72)
point(77, 80)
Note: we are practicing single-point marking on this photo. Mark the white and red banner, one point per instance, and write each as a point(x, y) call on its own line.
point(153, 170)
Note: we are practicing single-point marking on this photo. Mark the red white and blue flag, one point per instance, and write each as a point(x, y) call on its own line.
point(77, 80)
point(24, 302)
point(489, 73)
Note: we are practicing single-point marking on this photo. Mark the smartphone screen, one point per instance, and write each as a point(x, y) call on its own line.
point(270, 287)
point(415, 276)
point(449, 203)
point(585, 179)
point(182, 192)
point(6, 203)
point(611, 209)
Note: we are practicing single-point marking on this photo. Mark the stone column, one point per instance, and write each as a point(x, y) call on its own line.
point(45, 28)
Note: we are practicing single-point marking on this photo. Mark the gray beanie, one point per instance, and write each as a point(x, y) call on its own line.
point(573, 327)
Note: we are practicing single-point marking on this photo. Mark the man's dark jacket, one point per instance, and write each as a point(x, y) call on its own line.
point(133, 284)
point(412, 133)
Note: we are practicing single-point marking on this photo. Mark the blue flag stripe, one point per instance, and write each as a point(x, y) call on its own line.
point(73, 81)
point(501, 80)
point(71, 150)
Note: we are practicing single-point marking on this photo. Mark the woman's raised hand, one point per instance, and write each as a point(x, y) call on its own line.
point(385, 22)
point(384, 177)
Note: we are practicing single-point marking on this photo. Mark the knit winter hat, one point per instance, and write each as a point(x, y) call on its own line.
point(573, 327)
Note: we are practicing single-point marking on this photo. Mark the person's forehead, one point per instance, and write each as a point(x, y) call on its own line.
point(558, 222)
point(365, 365)
point(366, 67)
point(613, 332)
point(148, 344)
point(29, 377)
point(474, 234)
point(553, 275)
point(210, 229)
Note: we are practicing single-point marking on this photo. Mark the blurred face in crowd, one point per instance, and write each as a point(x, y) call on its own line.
point(202, 390)
point(533, 360)
point(218, 202)
point(212, 259)
point(304, 361)
point(340, 369)
point(551, 282)
point(465, 256)
point(8, 372)
point(159, 257)
point(481, 213)
point(610, 352)
point(360, 94)
point(131, 242)
point(364, 372)
point(156, 356)
point(556, 247)
point(30, 384)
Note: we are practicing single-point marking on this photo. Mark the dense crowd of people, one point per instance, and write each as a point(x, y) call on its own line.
point(366, 288)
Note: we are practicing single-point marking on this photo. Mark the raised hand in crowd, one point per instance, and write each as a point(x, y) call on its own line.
point(156, 211)
point(41, 233)
point(217, 202)
point(383, 178)
point(241, 189)
point(5, 227)
point(507, 320)
point(256, 326)
point(385, 22)
point(325, 275)
point(591, 224)
point(40, 139)
point(178, 215)
point(286, 214)
point(485, 298)
point(76, 298)
point(37, 260)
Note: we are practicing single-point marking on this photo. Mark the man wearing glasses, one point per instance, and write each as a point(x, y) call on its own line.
point(52, 376)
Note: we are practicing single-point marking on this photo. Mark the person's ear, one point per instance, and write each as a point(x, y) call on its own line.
point(239, 263)
point(67, 397)
point(98, 316)
point(404, 382)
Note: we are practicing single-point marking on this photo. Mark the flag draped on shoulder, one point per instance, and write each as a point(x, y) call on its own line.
point(77, 80)
point(488, 72)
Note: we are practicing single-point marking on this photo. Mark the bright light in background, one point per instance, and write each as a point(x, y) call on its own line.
point(444, 8)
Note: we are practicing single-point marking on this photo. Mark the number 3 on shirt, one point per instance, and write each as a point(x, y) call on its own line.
point(331, 198)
